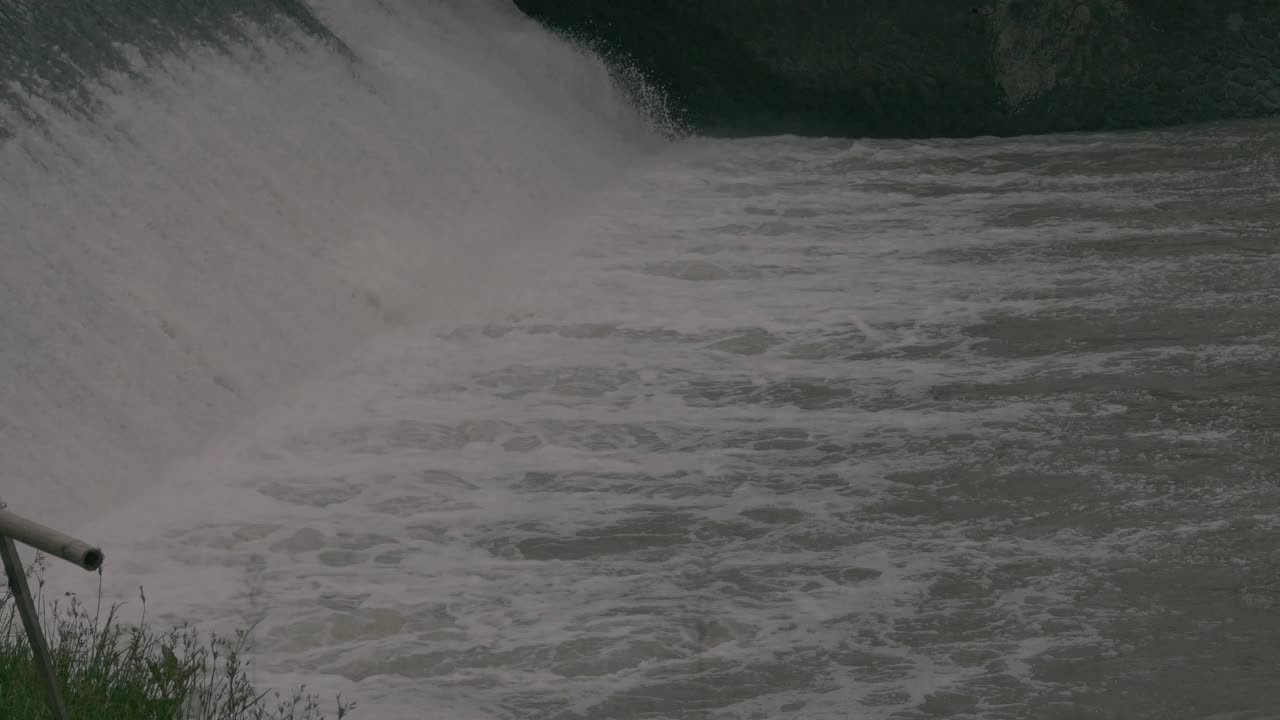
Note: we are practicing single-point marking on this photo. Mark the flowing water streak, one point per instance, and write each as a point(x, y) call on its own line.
point(227, 218)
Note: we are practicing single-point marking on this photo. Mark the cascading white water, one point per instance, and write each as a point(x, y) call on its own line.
point(770, 428)
point(232, 220)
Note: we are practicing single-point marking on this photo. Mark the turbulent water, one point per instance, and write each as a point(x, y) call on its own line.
point(482, 404)
point(223, 219)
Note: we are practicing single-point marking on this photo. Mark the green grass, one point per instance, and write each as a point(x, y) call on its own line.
point(112, 671)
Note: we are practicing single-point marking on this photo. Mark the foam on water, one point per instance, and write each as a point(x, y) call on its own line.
point(478, 415)
point(783, 438)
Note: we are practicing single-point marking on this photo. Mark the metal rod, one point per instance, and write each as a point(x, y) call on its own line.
point(49, 541)
point(27, 609)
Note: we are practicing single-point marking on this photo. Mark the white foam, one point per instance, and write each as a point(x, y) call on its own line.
point(232, 221)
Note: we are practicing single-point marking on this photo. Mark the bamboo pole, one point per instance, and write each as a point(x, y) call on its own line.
point(49, 541)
